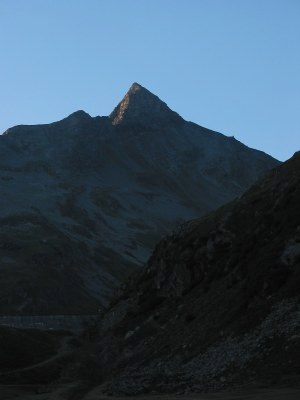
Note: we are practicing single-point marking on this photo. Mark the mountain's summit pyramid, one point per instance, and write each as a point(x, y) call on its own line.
point(140, 106)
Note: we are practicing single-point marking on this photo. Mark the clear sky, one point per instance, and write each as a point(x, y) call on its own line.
point(230, 65)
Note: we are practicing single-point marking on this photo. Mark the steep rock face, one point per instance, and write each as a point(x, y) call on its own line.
point(218, 302)
point(84, 200)
point(141, 108)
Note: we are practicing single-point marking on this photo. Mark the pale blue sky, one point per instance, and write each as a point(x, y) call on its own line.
point(230, 65)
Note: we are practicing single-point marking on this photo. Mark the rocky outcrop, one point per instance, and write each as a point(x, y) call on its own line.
point(218, 303)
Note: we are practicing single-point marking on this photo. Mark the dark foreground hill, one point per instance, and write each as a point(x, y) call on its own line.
point(84, 200)
point(218, 303)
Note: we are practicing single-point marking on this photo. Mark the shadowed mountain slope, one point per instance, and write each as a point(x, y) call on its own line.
point(218, 303)
point(84, 200)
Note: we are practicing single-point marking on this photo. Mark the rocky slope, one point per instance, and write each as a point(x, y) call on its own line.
point(84, 200)
point(218, 303)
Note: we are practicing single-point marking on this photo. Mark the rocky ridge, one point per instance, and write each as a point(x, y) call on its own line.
point(218, 303)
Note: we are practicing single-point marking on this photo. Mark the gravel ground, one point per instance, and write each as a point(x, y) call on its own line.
point(249, 393)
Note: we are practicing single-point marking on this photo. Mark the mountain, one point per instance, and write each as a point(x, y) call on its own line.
point(84, 200)
point(218, 303)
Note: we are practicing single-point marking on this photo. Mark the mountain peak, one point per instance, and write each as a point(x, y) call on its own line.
point(135, 87)
point(140, 106)
point(80, 114)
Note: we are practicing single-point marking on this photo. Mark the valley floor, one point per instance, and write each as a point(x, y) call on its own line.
point(68, 392)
